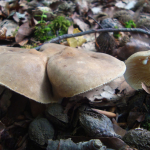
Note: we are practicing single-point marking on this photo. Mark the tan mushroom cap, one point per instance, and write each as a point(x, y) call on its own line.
point(24, 71)
point(74, 71)
point(50, 49)
point(138, 69)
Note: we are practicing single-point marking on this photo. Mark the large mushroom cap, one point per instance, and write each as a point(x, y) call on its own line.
point(138, 69)
point(50, 49)
point(74, 71)
point(24, 71)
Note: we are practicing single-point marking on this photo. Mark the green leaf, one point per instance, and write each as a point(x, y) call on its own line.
point(44, 16)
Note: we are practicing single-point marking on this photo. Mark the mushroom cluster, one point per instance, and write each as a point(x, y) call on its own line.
point(55, 71)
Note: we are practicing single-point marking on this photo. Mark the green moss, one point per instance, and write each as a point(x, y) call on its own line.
point(130, 24)
point(57, 27)
point(60, 24)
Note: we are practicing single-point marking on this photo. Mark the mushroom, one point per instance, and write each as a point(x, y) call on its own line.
point(138, 69)
point(24, 71)
point(74, 71)
point(51, 49)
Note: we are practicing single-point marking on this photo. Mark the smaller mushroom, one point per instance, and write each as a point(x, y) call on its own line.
point(138, 71)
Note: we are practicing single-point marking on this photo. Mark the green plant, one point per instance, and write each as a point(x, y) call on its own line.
point(42, 16)
point(116, 34)
point(130, 24)
point(46, 32)
point(41, 32)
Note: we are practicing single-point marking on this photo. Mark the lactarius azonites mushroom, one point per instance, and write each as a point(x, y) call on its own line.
point(138, 69)
point(74, 71)
point(24, 71)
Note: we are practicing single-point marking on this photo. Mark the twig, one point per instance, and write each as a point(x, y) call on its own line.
point(65, 36)
point(96, 21)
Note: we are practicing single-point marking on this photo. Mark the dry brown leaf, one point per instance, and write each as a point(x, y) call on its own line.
point(118, 129)
point(13, 6)
point(82, 6)
point(131, 47)
point(54, 5)
point(108, 91)
point(3, 33)
point(11, 26)
point(24, 31)
point(23, 42)
point(133, 117)
point(126, 4)
point(70, 30)
point(83, 26)
point(18, 17)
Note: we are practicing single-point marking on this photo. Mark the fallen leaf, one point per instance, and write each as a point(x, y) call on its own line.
point(18, 17)
point(126, 4)
point(108, 91)
point(54, 5)
point(3, 33)
point(76, 41)
point(23, 42)
point(82, 25)
point(133, 117)
point(11, 26)
point(118, 129)
point(24, 31)
point(82, 6)
point(131, 47)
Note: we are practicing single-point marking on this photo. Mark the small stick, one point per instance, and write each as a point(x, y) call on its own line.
point(65, 36)
point(96, 22)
